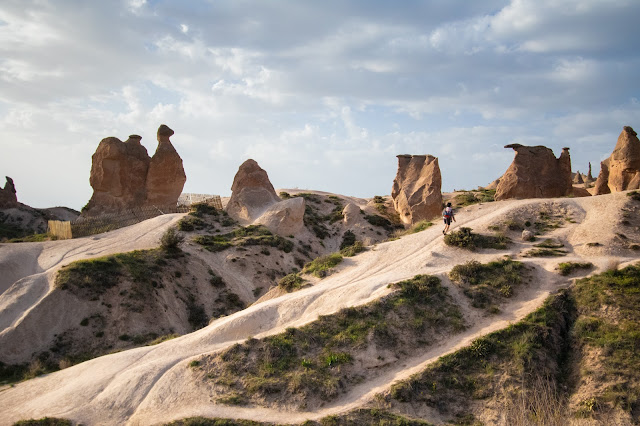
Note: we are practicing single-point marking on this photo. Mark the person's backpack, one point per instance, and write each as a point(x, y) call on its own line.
point(447, 212)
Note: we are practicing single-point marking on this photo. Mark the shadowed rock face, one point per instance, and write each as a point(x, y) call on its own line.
point(8, 196)
point(536, 173)
point(417, 187)
point(166, 176)
point(624, 162)
point(602, 183)
point(252, 193)
point(124, 177)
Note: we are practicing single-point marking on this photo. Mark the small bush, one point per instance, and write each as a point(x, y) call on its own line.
point(465, 238)
point(321, 266)
point(291, 282)
point(352, 250)
point(566, 268)
point(284, 195)
point(348, 239)
point(545, 252)
point(171, 240)
point(635, 195)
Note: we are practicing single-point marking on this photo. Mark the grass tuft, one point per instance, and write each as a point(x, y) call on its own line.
point(465, 238)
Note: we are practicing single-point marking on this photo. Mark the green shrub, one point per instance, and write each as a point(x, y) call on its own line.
point(284, 195)
point(465, 238)
point(322, 265)
point(348, 239)
point(171, 240)
point(291, 282)
point(353, 249)
point(635, 195)
point(545, 252)
point(566, 268)
point(203, 209)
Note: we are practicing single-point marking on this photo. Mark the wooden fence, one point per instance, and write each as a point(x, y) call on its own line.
point(84, 226)
point(188, 199)
point(60, 229)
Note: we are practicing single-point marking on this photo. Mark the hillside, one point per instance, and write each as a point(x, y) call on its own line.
point(184, 377)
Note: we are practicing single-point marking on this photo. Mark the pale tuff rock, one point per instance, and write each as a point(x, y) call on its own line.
point(251, 193)
point(8, 197)
point(536, 173)
point(527, 235)
point(417, 187)
point(285, 217)
point(351, 214)
point(578, 191)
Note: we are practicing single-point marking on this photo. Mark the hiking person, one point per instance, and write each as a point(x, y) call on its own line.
point(447, 215)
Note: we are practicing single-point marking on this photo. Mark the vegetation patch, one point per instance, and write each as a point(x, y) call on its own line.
point(244, 236)
point(567, 268)
point(506, 365)
point(468, 198)
point(316, 360)
point(609, 322)
point(204, 421)
point(348, 239)
point(45, 421)
point(635, 195)
point(418, 227)
point(353, 249)
point(465, 238)
point(321, 266)
point(545, 252)
point(486, 284)
point(291, 282)
point(381, 222)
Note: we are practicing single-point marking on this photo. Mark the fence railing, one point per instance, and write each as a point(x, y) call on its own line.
point(84, 226)
point(187, 199)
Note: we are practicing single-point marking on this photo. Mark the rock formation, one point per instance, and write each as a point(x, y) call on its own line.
point(578, 180)
point(166, 176)
point(254, 201)
point(589, 175)
point(251, 193)
point(8, 196)
point(578, 191)
point(536, 173)
point(285, 217)
point(624, 162)
point(602, 183)
point(416, 189)
point(124, 177)
point(350, 214)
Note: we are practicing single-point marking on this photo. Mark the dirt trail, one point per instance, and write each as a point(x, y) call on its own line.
point(153, 384)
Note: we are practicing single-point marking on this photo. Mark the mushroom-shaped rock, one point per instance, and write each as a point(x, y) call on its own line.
point(624, 162)
point(251, 193)
point(166, 176)
point(8, 196)
point(536, 173)
point(285, 217)
point(350, 214)
point(417, 187)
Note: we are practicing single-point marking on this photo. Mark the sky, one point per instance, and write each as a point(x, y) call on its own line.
point(323, 94)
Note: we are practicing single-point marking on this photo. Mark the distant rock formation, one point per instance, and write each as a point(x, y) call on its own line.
point(417, 187)
point(536, 173)
point(589, 175)
point(251, 193)
point(124, 177)
point(578, 180)
point(8, 197)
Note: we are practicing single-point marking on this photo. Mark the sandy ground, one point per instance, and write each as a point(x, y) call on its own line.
point(151, 385)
